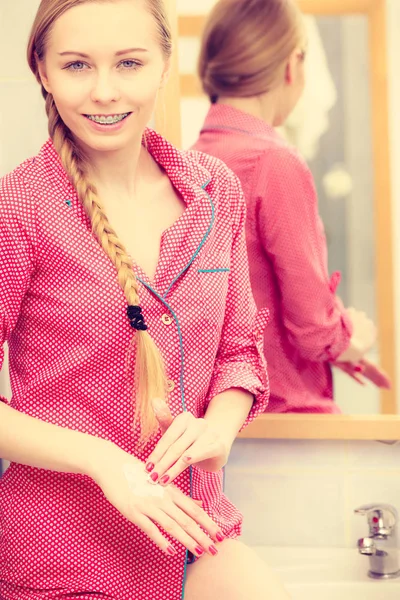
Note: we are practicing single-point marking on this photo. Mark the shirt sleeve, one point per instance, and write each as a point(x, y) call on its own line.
point(293, 238)
point(240, 361)
point(17, 240)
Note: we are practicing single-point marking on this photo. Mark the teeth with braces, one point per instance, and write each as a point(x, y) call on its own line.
point(107, 120)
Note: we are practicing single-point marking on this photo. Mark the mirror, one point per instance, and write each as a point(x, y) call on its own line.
point(341, 128)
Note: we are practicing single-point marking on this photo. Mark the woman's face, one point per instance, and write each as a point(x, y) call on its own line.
point(104, 61)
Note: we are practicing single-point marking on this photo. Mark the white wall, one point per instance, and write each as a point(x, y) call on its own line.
point(303, 493)
point(23, 122)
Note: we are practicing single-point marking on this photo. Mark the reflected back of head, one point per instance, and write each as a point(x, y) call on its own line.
point(246, 44)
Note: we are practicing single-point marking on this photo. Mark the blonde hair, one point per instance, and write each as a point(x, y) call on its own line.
point(246, 44)
point(145, 368)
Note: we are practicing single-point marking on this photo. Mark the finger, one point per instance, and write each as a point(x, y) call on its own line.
point(191, 528)
point(376, 375)
point(203, 449)
point(175, 453)
point(198, 514)
point(174, 432)
point(151, 530)
point(379, 379)
point(355, 371)
point(199, 451)
point(357, 378)
point(162, 413)
point(345, 367)
point(173, 527)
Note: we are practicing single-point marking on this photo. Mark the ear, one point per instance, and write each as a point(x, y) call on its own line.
point(289, 71)
point(292, 67)
point(43, 74)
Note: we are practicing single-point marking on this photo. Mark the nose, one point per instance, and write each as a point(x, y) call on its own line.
point(105, 89)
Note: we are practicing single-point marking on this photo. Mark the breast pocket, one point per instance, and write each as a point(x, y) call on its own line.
point(213, 275)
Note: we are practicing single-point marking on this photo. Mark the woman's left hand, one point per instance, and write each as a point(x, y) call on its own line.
point(186, 441)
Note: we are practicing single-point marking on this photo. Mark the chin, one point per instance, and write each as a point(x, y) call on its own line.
point(279, 121)
point(104, 144)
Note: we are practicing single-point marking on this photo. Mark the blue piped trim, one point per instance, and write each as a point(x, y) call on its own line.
point(213, 270)
point(203, 187)
point(203, 241)
point(182, 379)
point(181, 383)
point(187, 551)
point(182, 386)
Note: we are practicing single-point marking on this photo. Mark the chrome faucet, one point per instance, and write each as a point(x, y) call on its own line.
point(382, 544)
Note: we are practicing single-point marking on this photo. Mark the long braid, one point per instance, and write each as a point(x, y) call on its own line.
point(144, 363)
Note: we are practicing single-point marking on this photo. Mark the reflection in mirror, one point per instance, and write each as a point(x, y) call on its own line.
point(332, 128)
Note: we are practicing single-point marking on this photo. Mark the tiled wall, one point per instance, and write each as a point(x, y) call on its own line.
point(303, 493)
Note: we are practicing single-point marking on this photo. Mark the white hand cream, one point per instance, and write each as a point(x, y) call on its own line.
point(139, 485)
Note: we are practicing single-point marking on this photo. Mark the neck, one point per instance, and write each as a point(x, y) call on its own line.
point(119, 171)
point(263, 107)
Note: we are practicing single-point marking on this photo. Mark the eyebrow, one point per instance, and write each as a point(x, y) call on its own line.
point(119, 53)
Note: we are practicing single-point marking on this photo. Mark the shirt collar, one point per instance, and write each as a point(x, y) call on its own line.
point(186, 174)
point(191, 230)
point(222, 116)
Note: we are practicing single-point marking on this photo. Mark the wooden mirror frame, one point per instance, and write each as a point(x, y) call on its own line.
point(385, 426)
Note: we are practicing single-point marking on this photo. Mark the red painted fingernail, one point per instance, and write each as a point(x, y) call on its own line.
point(171, 551)
point(358, 369)
point(199, 550)
point(188, 458)
point(149, 467)
point(220, 537)
point(154, 476)
point(213, 550)
point(164, 479)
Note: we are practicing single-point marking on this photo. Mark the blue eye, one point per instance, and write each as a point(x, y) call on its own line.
point(130, 64)
point(78, 66)
point(74, 66)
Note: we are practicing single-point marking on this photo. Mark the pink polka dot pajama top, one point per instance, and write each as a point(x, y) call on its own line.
point(287, 250)
point(63, 315)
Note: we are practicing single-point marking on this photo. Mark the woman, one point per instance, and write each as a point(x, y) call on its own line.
point(251, 67)
point(122, 264)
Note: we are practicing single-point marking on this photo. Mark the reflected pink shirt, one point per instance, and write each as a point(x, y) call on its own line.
point(288, 259)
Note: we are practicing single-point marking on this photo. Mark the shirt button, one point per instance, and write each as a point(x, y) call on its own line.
point(170, 385)
point(166, 319)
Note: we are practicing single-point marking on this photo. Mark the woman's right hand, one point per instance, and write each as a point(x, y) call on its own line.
point(366, 370)
point(363, 338)
point(126, 486)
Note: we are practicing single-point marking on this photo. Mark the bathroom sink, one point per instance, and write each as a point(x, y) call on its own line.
point(327, 574)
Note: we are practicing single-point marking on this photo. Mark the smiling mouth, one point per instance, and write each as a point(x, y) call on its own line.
point(107, 120)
